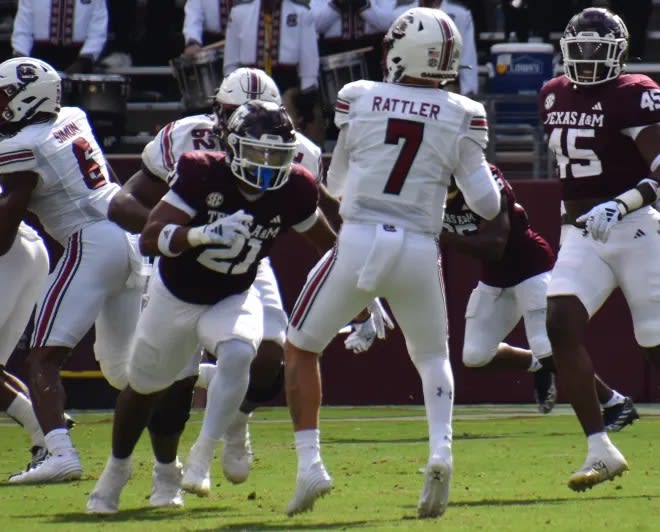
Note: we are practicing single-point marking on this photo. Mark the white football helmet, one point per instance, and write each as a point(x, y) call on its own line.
point(422, 43)
point(28, 86)
point(242, 85)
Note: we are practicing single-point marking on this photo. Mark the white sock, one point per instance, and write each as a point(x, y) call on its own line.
point(205, 446)
point(616, 399)
point(438, 386)
point(227, 388)
point(21, 410)
point(206, 373)
point(308, 447)
point(535, 365)
point(597, 441)
point(119, 463)
point(168, 466)
point(58, 441)
point(240, 419)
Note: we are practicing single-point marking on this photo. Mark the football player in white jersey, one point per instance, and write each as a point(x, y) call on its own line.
point(399, 143)
point(130, 208)
point(51, 164)
point(23, 272)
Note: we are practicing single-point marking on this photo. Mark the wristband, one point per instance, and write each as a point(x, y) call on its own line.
point(197, 237)
point(165, 238)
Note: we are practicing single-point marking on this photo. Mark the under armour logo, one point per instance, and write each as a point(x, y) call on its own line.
point(440, 392)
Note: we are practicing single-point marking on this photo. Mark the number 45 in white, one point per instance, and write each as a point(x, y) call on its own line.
point(589, 164)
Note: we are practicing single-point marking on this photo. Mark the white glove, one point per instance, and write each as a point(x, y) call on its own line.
point(362, 334)
point(362, 337)
point(223, 231)
point(380, 317)
point(600, 220)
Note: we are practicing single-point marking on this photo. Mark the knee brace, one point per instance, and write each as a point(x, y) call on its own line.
point(172, 408)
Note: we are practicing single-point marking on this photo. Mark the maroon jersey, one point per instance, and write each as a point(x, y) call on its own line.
point(208, 274)
point(585, 128)
point(526, 253)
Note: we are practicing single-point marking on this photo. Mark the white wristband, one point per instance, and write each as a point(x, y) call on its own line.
point(197, 237)
point(165, 238)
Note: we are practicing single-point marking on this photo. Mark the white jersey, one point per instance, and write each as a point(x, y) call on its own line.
point(73, 189)
point(402, 145)
point(161, 154)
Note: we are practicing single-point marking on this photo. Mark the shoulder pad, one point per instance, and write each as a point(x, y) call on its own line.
point(303, 3)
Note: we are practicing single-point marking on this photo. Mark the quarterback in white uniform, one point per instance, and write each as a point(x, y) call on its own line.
point(399, 143)
point(52, 165)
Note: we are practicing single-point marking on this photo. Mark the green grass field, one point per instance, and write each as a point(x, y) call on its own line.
point(510, 472)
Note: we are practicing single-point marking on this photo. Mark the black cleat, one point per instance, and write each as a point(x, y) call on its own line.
point(618, 416)
point(545, 388)
point(70, 422)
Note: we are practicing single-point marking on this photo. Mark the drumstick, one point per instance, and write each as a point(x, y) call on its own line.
point(216, 44)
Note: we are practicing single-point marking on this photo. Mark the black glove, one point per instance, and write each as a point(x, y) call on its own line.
point(340, 5)
point(360, 5)
point(82, 65)
point(305, 103)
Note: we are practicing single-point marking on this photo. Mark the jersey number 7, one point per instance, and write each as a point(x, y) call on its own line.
point(412, 134)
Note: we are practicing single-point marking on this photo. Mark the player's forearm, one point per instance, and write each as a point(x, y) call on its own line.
point(161, 239)
point(482, 247)
point(128, 213)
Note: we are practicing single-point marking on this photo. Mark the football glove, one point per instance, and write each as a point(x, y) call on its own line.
point(222, 231)
point(363, 333)
point(600, 219)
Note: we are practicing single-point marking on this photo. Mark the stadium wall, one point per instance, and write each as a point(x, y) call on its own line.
point(385, 375)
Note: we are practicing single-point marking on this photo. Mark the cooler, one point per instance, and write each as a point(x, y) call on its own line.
point(519, 69)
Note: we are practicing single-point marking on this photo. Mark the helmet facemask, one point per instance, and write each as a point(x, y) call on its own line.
point(594, 46)
point(265, 163)
point(590, 59)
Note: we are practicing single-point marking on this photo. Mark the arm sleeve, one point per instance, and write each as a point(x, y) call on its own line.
point(338, 166)
point(22, 38)
point(308, 65)
point(475, 179)
point(469, 77)
point(193, 21)
point(232, 59)
point(379, 14)
point(324, 15)
point(97, 31)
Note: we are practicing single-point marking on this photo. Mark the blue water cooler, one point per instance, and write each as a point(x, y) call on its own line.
point(519, 68)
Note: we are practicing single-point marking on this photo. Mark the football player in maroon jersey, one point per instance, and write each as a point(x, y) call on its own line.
point(220, 217)
point(516, 262)
point(604, 128)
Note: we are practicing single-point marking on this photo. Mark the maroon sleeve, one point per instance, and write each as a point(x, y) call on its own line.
point(189, 177)
point(303, 196)
point(640, 97)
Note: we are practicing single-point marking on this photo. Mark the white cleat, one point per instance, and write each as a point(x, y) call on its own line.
point(53, 468)
point(435, 494)
point(598, 468)
point(196, 474)
point(311, 485)
point(104, 499)
point(237, 452)
point(166, 489)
